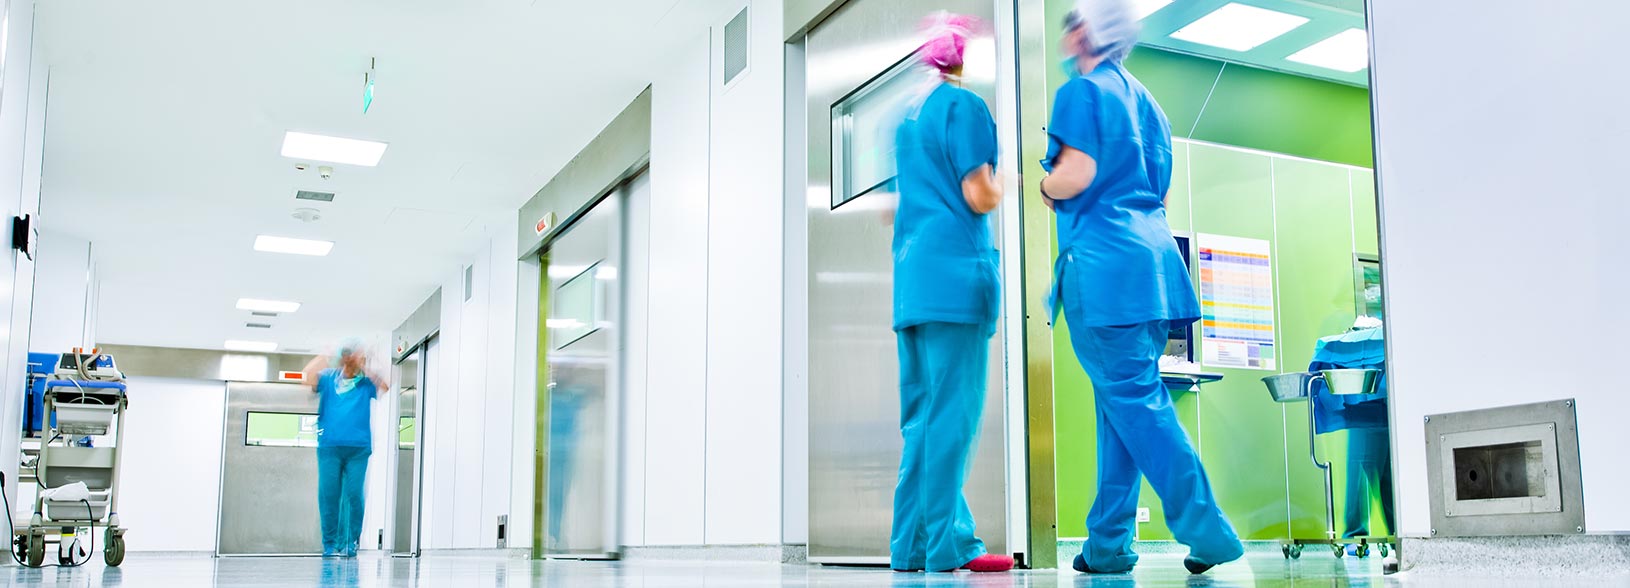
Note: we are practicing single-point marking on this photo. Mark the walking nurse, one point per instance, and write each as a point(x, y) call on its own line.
point(946, 294)
point(1122, 285)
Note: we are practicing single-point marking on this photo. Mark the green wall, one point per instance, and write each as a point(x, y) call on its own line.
point(1316, 214)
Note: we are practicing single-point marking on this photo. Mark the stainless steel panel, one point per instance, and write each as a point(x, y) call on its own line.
point(417, 327)
point(621, 151)
point(405, 515)
point(584, 346)
point(1505, 471)
point(268, 494)
point(853, 369)
point(204, 364)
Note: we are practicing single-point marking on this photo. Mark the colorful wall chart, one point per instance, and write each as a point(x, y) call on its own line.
point(1236, 302)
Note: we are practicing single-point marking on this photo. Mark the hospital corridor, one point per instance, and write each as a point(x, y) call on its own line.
point(796, 293)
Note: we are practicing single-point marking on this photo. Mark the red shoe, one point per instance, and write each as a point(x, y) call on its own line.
point(990, 562)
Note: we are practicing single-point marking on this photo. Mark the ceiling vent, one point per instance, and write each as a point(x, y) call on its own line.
point(735, 47)
point(257, 325)
point(262, 313)
point(317, 196)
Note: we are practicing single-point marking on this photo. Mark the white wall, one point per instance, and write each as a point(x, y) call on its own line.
point(66, 291)
point(470, 403)
point(166, 511)
point(1501, 132)
point(23, 93)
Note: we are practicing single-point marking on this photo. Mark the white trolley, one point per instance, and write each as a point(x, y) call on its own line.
point(85, 400)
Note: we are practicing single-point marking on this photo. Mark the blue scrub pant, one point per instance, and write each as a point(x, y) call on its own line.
point(341, 472)
point(1139, 435)
point(942, 396)
point(1369, 472)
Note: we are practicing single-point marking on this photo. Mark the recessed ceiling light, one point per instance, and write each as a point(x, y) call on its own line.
point(1346, 51)
point(272, 244)
point(332, 149)
point(1238, 27)
point(267, 305)
point(257, 346)
point(1144, 8)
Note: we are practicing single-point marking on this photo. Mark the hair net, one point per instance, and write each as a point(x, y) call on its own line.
point(347, 347)
point(947, 36)
point(1111, 28)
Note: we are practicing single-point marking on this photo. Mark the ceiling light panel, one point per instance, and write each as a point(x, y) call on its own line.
point(1143, 8)
point(257, 304)
point(1347, 51)
point(255, 346)
point(332, 149)
point(1238, 27)
point(293, 246)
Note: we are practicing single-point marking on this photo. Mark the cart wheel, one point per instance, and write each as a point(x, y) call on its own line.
point(1363, 550)
point(114, 553)
point(1296, 551)
point(1285, 549)
point(1339, 550)
point(36, 551)
point(1383, 549)
point(19, 546)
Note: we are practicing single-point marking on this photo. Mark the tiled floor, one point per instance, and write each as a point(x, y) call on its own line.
point(497, 570)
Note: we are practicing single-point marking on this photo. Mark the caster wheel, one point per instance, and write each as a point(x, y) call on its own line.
point(1296, 552)
point(114, 553)
point(36, 551)
point(19, 547)
point(1339, 551)
point(1363, 551)
point(1285, 549)
point(1383, 549)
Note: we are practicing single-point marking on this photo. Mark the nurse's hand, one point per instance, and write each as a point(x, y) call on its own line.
point(1049, 202)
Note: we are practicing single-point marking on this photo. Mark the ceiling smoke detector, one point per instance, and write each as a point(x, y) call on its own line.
point(309, 215)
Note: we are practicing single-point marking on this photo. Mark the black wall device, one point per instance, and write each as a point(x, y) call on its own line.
point(25, 235)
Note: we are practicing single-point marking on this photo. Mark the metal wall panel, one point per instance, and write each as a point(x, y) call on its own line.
point(854, 407)
point(268, 494)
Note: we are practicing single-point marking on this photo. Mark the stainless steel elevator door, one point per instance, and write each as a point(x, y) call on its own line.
point(268, 491)
point(584, 313)
point(405, 519)
point(854, 403)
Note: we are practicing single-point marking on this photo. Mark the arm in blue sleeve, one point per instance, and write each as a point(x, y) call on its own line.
point(971, 135)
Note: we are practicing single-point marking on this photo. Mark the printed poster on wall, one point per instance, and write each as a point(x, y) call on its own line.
point(1236, 302)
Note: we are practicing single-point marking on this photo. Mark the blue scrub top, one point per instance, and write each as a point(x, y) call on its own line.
point(1118, 263)
point(945, 263)
point(343, 410)
point(1361, 349)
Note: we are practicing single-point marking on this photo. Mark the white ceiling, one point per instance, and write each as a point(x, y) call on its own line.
point(166, 116)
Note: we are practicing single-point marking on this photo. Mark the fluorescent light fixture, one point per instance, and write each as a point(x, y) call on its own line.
point(272, 244)
point(1141, 9)
point(556, 323)
point(256, 304)
point(256, 346)
point(332, 149)
point(1238, 27)
point(1347, 51)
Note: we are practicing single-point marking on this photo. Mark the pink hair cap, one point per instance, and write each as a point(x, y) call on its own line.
point(946, 38)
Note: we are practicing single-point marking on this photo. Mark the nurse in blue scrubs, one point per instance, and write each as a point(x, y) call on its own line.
point(1122, 286)
point(345, 391)
point(945, 305)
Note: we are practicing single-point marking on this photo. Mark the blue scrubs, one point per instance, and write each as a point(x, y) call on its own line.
point(344, 441)
point(946, 299)
point(1122, 285)
point(1369, 443)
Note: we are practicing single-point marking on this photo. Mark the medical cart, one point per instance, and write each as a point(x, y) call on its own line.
point(83, 402)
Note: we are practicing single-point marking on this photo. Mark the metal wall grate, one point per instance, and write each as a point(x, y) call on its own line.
point(312, 195)
point(735, 46)
point(257, 325)
point(469, 282)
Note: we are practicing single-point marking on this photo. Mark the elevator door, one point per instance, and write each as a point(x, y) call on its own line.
point(583, 345)
point(858, 68)
point(268, 471)
point(409, 455)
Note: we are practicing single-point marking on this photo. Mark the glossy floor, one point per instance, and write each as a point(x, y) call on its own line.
point(498, 570)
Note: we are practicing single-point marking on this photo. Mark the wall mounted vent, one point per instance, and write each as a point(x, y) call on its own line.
point(311, 195)
point(735, 47)
point(257, 325)
point(1505, 471)
point(469, 282)
point(262, 313)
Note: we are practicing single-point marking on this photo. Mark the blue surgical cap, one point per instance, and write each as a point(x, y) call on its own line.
point(1112, 27)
